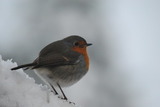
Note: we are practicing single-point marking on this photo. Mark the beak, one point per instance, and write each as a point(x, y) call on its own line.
point(88, 44)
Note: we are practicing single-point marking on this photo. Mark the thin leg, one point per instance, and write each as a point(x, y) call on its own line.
point(65, 98)
point(56, 93)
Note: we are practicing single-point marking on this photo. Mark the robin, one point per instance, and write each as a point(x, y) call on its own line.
point(61, 63)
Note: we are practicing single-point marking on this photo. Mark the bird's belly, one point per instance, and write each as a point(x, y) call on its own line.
point(63, 75)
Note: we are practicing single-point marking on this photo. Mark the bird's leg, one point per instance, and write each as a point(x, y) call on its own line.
point(56, 93)
point(65, 98)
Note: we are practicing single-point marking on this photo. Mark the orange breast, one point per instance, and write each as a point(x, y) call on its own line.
point(83, 51)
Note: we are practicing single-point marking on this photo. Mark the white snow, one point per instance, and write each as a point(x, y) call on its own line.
point(17, 89)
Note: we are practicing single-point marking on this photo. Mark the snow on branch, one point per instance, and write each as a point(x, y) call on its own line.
point(17, 89)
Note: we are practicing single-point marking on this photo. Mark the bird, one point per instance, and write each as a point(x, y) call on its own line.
point(61, 63)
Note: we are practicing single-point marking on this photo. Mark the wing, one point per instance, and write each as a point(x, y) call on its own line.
point(54, 55)
point(54, 60)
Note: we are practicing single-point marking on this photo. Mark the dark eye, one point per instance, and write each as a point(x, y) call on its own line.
point(76, 44)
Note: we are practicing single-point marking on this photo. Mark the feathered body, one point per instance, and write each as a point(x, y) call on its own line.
point(64, 62)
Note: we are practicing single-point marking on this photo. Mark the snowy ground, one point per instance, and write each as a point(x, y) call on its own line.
point(17, 89)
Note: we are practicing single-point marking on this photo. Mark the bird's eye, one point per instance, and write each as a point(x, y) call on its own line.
point(76, 44)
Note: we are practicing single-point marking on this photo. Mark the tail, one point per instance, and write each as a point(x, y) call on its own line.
point(22, 66)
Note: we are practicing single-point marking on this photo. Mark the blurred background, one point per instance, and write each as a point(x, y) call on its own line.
point(125, 55)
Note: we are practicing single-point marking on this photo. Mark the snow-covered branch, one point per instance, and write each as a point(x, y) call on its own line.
point(17, 89)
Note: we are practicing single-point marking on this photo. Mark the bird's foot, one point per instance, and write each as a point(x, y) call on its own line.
point(66, 100)
point(62, 98)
